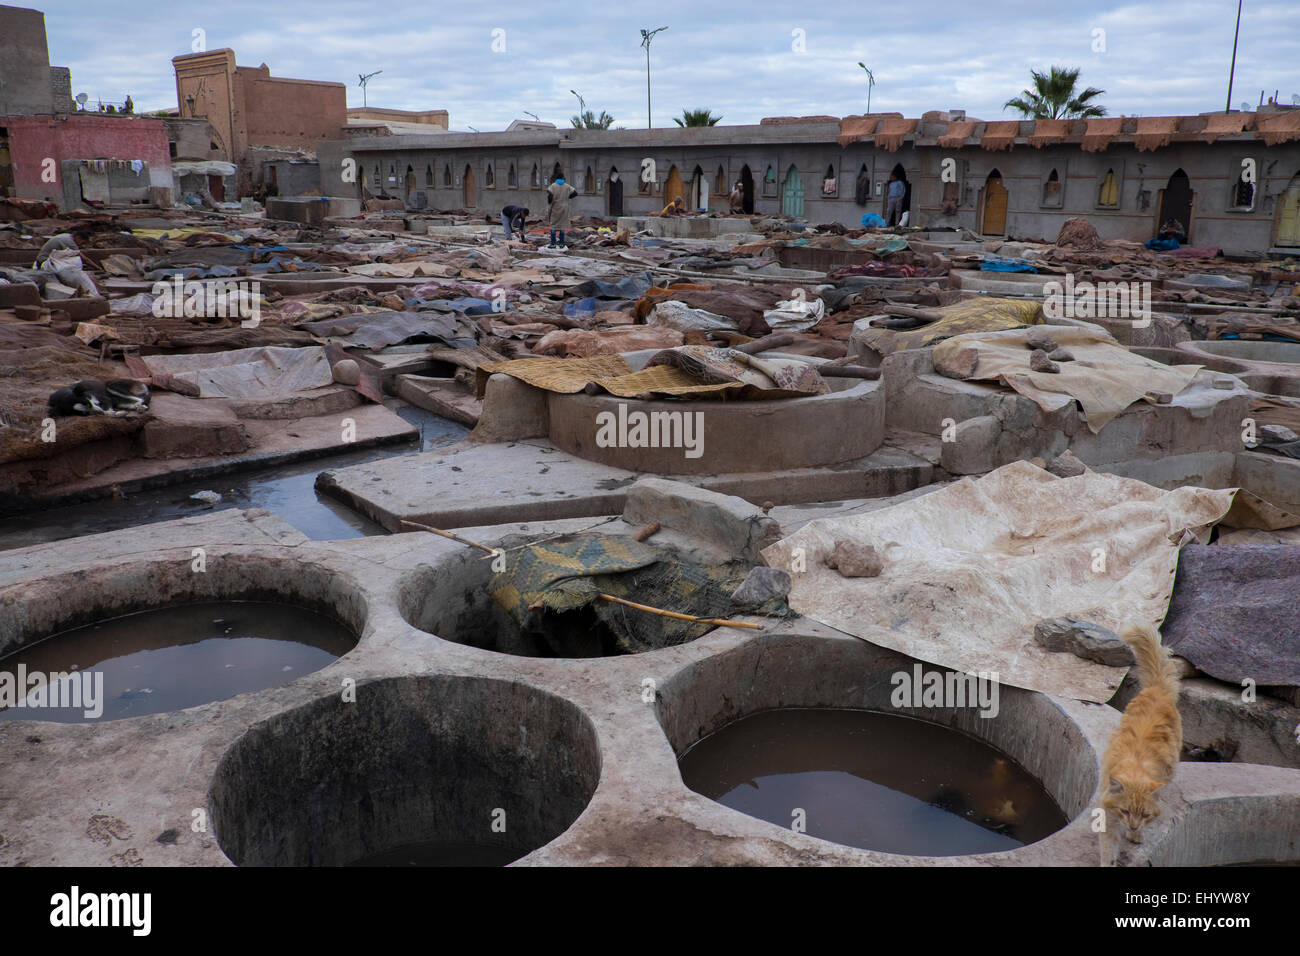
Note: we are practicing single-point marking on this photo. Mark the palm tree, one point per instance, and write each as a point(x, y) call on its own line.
point(589, 120)
point(700, 117)
point(1054, 97)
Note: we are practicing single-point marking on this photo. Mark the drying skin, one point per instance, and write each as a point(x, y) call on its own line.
point(1143, 753)
point(92, 397)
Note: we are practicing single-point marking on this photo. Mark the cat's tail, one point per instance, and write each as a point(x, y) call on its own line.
point(1154, 668)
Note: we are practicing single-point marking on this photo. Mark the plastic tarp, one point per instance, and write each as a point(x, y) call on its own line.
point(248, 373)
point(1105, 378)
point(795, 315)
point(379, 329)
point(971, 568)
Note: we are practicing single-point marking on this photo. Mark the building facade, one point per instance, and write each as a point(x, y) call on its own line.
point(1232, 179)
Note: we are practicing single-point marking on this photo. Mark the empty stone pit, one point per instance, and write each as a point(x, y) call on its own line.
point(793, 723)
point(430, 770)
point(148, 637)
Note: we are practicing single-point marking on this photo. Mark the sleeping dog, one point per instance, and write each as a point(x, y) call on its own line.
point(91, 397)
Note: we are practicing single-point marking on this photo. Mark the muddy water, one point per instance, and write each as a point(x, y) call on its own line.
point(443, 854)
point(874, 781)
point(167, 659)
point(285, 490)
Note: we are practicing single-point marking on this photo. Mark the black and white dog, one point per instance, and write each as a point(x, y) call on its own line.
point(92, 397)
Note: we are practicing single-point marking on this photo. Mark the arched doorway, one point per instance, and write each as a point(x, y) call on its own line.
point(901, 173)
point(792, 197)
point(410, 186)
point(699, 191)
point(471, 189)
point(614, 193)
point(1176, 202)
point(674, 187)
point(747, 189)
point(557, 172)
point(1288, 215)
point(994, 220)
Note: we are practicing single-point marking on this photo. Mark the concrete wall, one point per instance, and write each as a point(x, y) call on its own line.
point(34, 139)
point(192, 138)
point(292, 177)
point(811, 148)
point(25, 81)
point(208, 80)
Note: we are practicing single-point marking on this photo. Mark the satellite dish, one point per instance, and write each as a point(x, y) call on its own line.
point(1295, 99)
point(81, 100)
point(1245, 107)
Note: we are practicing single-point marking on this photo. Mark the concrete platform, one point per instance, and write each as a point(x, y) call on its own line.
point(688, 227)
point(586, 769)
point(442, 396)
point(501, 483)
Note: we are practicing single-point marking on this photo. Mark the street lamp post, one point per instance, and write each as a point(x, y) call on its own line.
point(871, 81)
point(646, 37)
point(582, 107)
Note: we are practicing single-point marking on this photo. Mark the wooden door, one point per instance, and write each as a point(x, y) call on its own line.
point(792, 199)
point(1288, 215)
point(471, 189)
point(995, 207)
point(674, 187)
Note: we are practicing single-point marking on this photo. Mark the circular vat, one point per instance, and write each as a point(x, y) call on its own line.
point(803, 731)
point(435, 770)
point(152, 637)
point(453, 600)
point(1278, 353)
point(697, 437)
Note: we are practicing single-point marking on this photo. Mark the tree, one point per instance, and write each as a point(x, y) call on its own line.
point(700, 117)
point(589, 120)
point(1054, 97)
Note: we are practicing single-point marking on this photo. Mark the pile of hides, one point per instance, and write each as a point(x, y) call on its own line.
point(690, 371)
point(970, 315)
point(566, 576)
point(969, 570)
point(1104, 377)
point(248, 373)
point(1234, 613)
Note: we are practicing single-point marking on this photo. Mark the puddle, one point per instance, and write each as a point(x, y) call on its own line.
point(443, 854)
point(874, 781)
point(167, 659)
point(285, 490)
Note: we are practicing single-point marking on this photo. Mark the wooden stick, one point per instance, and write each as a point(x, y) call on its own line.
point(648, 530)
point(448, 534)
point(681, 617)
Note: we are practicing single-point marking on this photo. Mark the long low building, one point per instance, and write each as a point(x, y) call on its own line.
point(1232, 179)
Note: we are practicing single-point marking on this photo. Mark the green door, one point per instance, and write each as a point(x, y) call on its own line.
point(792, 201)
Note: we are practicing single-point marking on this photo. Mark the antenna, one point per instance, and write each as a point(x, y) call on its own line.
point(364, 79)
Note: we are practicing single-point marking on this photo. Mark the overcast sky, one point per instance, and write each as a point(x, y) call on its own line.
point(757, 59)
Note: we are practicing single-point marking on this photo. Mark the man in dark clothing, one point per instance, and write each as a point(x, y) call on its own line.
point(513, 218)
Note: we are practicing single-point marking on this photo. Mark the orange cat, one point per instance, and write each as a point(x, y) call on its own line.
point(1143, 753)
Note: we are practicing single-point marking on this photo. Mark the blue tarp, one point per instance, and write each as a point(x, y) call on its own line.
point(1000, 264)
point(871, 220)
point(1162, 245)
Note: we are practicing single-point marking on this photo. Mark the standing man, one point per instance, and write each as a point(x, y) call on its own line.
point(513, 218)
point(896, 192)
point(558, 195)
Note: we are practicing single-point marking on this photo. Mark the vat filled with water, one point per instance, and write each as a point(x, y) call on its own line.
point(872, 780)
point(170, 658)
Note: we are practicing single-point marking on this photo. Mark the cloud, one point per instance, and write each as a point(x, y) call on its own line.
point(1160, 57)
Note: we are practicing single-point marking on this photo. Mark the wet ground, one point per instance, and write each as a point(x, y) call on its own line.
point(285, 490)
point(874, 781)
point(171, 658)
